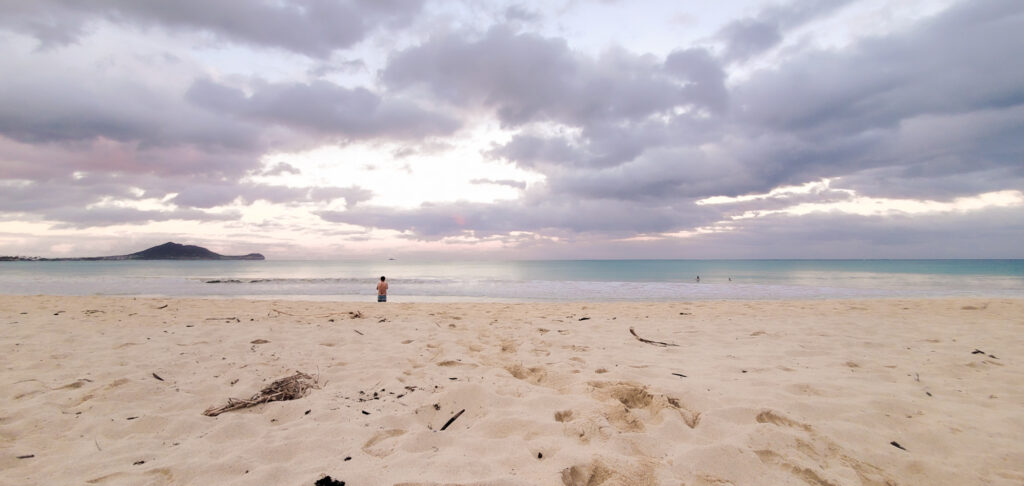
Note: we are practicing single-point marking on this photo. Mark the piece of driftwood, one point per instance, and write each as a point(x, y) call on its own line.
point(449, 422)
point(288, 388)
point(648, 341)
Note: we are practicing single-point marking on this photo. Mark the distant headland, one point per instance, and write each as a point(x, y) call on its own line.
point(166, 251)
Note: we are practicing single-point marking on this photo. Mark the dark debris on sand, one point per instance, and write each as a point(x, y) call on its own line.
point(328, 481)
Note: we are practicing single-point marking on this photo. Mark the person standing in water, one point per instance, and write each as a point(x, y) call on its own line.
point(382, 290)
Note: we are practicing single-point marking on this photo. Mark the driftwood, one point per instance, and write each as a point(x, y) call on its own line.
point(350, 314)
point(289, 388)
point(449, 422)
point(648, 341)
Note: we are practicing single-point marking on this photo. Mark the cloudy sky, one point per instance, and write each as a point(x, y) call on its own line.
point(491, 129)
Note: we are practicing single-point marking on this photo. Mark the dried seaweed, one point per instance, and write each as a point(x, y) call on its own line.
point(289, 388)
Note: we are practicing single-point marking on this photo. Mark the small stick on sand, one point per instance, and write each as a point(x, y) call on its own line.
point(648, 341)
point(157, 377)
point(449, 422)
point(223, 319)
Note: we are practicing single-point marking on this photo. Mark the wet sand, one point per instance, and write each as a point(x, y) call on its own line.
point(104, 390)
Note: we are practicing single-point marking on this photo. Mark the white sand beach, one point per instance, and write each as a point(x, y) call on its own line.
point(105, 390)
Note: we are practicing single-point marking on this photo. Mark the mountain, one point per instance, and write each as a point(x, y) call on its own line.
point(166, 251)
point(176, 251)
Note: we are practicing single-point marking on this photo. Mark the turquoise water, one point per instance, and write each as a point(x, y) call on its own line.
point(556, 280)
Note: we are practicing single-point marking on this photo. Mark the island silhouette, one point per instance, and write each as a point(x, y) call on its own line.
point(166, 251)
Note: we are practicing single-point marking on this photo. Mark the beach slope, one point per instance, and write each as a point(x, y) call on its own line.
point(106, 390)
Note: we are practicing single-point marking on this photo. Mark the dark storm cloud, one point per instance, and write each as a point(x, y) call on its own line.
point(525, 78)
point(29, 197)
point(312, 27)
point(703, 75)
point(659, 176)
point(940, 97)
point(55, 120)
point(519, 13)
point(748, 37)
point(530, 151)
point(41, 107)
point(78, 218)
point(936, 100)
point(323, 107)
point(955, 63)
point(619, 100)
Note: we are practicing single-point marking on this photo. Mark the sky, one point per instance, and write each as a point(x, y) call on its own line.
point(447, 129)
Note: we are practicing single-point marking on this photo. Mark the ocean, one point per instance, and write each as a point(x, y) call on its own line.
point(513, 281)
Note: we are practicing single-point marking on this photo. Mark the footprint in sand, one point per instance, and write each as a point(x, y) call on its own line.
point(770, 417)
point(598, 472)
point(381, 445)
point(634, 396)
point(509, 346)
point(820, 452)
point(162, 475)
point(563, 416)
point(534, 375)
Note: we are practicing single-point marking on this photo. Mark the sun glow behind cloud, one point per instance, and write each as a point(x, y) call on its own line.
point(404, 176)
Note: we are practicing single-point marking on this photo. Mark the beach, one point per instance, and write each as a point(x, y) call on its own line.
point(112, 390)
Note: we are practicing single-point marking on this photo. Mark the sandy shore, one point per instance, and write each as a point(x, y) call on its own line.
point(783, 392)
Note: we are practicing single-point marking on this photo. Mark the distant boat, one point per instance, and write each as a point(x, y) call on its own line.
point(391, 259)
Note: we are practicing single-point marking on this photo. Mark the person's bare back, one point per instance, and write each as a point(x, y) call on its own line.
point(382, 290)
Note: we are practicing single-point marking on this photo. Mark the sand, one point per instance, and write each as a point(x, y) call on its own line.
point(745, 393)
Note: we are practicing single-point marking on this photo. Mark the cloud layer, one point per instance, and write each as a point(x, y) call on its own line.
point(624, 144)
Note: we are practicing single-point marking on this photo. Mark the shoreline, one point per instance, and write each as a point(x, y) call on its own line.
point(771, 392)
point(370, 298)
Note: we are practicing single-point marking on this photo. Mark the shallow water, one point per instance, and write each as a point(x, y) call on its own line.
point(558, 280)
